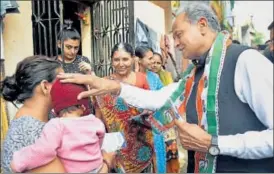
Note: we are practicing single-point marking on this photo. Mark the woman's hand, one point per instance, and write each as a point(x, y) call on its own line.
point(97, 85)
point(109, 158)
point(109, 162)
point(85, 67)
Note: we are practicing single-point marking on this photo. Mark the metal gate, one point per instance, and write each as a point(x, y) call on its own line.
point(47, 18)
point(112, 22)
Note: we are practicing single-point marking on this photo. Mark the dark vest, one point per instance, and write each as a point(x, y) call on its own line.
point(234, 117)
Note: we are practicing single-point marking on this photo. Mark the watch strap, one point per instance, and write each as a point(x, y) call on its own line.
point(214, 140)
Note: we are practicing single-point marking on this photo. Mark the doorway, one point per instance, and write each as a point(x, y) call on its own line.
point(70, 8)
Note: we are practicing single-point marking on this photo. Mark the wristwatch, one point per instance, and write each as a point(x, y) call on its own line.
point(214, 148)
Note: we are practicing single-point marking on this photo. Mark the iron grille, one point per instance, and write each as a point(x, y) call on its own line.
point(46, 23)
point(112, 22)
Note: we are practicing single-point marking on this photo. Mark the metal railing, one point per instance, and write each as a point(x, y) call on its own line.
point(47, 18)
point(112, 22)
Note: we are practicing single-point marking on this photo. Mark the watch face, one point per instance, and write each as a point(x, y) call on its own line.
point(214, 150)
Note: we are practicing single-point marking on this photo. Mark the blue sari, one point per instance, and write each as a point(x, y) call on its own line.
point(155, 83)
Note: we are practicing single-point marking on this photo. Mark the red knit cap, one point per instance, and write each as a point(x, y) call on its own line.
point(64, 95)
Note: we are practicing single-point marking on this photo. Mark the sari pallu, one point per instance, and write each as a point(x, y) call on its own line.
point(165, 77)
point(155, 83)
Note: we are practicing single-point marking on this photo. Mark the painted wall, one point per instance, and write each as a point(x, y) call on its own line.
point(17, 39)
point(17, 36)
point(166, 6)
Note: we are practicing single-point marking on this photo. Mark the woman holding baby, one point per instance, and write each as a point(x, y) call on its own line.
point(31, 85)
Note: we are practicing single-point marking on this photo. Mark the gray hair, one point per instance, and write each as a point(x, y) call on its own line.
point(195, 10)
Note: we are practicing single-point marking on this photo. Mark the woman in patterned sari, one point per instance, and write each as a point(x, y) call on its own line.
point(137, 156)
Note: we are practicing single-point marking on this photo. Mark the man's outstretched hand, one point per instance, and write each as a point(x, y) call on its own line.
point(97, 85)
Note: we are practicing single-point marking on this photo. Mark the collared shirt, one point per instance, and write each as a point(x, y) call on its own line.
point(201, 61)
point(253, 84)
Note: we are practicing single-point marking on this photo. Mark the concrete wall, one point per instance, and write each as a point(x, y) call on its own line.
point(166, 6)
point(17, 36)
point(17, 39)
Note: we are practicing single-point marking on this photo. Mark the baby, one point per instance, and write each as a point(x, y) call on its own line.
point(75, 136)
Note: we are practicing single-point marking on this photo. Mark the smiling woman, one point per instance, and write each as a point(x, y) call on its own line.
point(115, 114)
point(122, 59)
